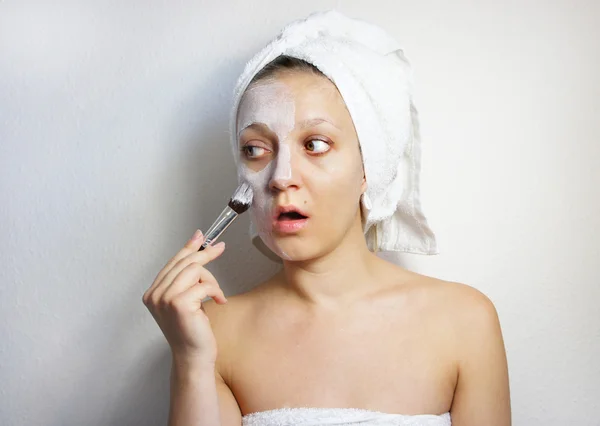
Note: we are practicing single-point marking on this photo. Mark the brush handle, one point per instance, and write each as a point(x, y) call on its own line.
point(225, 219)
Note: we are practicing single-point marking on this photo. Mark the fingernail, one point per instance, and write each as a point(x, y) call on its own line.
point(219, 245)
point(197, 234)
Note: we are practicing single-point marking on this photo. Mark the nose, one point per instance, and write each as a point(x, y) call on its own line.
point(284, 174)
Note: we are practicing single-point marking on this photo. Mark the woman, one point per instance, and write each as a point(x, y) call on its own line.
point(339, 335)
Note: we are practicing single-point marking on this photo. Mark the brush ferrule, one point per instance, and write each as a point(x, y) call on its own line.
point(225, 219)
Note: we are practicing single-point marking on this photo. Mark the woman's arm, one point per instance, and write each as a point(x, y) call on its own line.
point(200, 397)
point(482, 395)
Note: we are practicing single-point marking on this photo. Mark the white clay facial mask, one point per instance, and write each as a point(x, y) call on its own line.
point(270, 105)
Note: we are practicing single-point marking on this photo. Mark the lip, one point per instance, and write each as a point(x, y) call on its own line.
point(287, 209)
point(289, 226)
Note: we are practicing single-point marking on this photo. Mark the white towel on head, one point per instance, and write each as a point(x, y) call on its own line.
point(374, 78)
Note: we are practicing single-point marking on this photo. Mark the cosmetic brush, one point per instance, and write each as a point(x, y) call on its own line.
point(239, 203)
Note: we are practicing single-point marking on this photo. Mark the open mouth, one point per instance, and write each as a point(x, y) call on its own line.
point(289, 216)
point(289, 220)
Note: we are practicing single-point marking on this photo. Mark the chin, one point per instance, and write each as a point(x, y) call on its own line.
point(298, 249)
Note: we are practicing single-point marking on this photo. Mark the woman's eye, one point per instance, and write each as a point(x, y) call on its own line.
point(317, 146)
point(252, 151)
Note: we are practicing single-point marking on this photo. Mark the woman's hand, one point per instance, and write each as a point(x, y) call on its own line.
point(175, 301)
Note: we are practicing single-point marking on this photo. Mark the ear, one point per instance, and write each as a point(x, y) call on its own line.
point(363, 185)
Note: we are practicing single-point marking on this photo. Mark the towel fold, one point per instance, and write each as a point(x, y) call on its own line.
point(374, 78)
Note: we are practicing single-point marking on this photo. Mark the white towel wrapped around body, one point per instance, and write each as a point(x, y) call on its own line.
point(374, 78)
point(309, 416)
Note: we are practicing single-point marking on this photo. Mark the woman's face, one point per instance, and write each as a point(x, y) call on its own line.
point(299, 150)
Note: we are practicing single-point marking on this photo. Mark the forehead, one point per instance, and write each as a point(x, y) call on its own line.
point(309, 93)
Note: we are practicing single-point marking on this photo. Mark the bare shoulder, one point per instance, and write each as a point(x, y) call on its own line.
point(457, 301)
point(472, 310)
point(222, 318)
point(464, 315)
point(468, 316)
point(482, 394)
point(224, 321)
point(475, 324)
point(466, 301)
point(227, 321)
point(459, 309)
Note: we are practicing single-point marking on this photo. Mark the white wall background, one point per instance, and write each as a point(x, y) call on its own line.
point(113, 149)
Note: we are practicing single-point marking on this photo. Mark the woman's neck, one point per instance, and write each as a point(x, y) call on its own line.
point(337, 278)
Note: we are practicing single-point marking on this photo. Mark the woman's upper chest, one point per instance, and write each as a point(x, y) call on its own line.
point(377, 356)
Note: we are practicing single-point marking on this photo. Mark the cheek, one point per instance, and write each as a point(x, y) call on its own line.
point(261, 210)
point(341, 178)
point(263, 199)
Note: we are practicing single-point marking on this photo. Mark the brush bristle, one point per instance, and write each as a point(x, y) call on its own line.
point(242, 198)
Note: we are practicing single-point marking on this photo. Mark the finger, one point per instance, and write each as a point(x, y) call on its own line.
point(201, 257)
point(189, 277)
point(193, 297)
point(190, 247)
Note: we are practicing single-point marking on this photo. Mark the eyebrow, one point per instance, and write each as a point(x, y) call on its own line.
point(257, 126)
point(303, 125)
point(314, 121)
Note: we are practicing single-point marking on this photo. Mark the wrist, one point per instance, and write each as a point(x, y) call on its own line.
point(187, 364)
